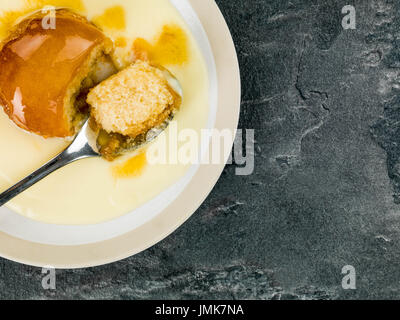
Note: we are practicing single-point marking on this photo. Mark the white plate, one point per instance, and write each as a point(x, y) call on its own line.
point(42, 244)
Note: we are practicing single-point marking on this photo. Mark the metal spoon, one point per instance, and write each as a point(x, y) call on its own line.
point(80, 148)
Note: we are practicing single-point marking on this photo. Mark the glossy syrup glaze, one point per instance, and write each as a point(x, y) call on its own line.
point(37, 66)
point(170, 47)
point(98, 190)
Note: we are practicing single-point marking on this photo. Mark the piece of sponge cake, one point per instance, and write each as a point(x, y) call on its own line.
point(133, 101)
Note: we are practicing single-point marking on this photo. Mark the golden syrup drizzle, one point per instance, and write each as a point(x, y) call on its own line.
point(170, 48)
point(133, 167)
point(113, 19)
point(37, 68)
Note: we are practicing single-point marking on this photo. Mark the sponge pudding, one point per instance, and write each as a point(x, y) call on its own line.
point(46, 73)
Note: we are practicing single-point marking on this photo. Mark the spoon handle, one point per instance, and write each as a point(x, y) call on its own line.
point(78, 149)
point(32, 179)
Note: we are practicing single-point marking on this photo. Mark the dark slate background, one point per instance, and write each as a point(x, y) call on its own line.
point(325, 104)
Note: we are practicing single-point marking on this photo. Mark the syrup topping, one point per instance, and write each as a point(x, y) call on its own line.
point(37, 67)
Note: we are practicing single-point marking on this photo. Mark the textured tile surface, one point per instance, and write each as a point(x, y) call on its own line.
point(325, 105)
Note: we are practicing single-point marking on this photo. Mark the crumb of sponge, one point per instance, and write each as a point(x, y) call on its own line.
point(133, 101)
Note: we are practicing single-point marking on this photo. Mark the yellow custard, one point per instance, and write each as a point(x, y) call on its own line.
point(93, 190)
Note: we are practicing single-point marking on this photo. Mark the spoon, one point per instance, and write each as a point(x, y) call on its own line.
point(79, 149)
